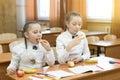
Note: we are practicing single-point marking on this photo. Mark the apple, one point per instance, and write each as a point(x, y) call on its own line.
point(70, 64)
point(20, 73)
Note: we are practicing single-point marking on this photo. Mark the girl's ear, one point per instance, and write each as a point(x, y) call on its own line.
point(26, 34)
point(67, 24)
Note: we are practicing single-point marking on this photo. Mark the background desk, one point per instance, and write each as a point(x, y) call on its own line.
point(111, 71)
point(112, 48)
point(99, 34)
point(5, 45)
point(50, 36)
point(4, 62)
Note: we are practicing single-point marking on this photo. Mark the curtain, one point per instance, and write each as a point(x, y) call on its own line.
point(115, 27)
point(80, 6)
point(59, 9)
point(54, 13)
point(31, 10)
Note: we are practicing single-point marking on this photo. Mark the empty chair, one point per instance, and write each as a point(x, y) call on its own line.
point(8, 36)
point(110, 37)
point(92, 39)
point(84, 30)
point(16, 42)
point(1, 50)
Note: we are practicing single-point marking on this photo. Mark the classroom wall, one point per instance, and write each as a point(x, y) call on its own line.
point(8, 16)
point(99, 26)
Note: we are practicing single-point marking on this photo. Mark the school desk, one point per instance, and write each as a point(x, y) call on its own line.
point(109, 72)
point(112, 48)
point(4, 62)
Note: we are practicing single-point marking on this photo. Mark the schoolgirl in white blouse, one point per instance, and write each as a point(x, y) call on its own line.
point(72, 45)
point(32, 53)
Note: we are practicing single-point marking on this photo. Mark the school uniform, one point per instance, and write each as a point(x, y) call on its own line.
point(35, 56)
point(80, 50)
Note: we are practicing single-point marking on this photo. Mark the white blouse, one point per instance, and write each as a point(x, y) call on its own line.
point(81, 49)
point(30, 58)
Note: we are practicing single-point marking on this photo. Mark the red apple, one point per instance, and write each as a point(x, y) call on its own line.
point(20, 73)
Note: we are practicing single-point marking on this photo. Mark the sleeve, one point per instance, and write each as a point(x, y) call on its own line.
point(86, 52)
point(14, 64)
point(49, 57)
point(62, 54)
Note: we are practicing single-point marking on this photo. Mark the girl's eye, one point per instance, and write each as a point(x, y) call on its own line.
point(39, 31)
point(35, 32)
point(79, 24)
point(74, 24)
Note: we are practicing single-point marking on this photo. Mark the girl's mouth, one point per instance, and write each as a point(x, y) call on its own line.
point(38, 40)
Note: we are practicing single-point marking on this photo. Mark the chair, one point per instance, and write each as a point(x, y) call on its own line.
point(16, 42)
point(110, 37)
point(8, 36)
point(1, 50)
point(92, 39)
point(84, 30)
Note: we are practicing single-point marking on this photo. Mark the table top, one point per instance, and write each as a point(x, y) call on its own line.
point(103, 43)
point(102, 62)
point(95, 33)
point(5, 57)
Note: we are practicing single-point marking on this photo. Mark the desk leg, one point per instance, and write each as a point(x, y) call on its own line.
point(98, 50)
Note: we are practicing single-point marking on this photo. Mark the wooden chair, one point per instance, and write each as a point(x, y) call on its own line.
point(16, 42)
point(8, 36)
point(84, 30)
point(92, 39)
point(110, 37)
point(1, 50)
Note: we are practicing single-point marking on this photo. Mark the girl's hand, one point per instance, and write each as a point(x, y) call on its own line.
point(74, 42)
point(45, 44)
point(11, 71)
point(77, 59)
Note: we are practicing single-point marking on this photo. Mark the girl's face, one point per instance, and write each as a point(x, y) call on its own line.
point(33, 33)
point(74, 24)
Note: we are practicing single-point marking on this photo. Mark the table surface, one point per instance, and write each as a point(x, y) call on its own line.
point(95, 33)
point(5, 57)
point(102, 62)
point(102, 43)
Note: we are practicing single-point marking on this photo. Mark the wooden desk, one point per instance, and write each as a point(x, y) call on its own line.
point(4, 62)
point(50, 36)
point(110, 72)
point(5, 45)
point(112, 48)
point(99, 34)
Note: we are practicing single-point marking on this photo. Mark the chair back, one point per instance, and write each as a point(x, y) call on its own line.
point(1, 50)
point(16, 42)
point(84, 30)
point(92, 39)
point(8, 36)
point(110, 37)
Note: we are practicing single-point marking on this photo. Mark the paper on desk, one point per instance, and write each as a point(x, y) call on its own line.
point(60, 73)
point(83, 69)
point(34, 78)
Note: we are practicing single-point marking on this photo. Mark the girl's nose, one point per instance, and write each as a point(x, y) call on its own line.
point(78, 26)
point(39, 34)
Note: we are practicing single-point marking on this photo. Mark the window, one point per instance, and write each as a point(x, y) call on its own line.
point(99, 9)
point(43, 9)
